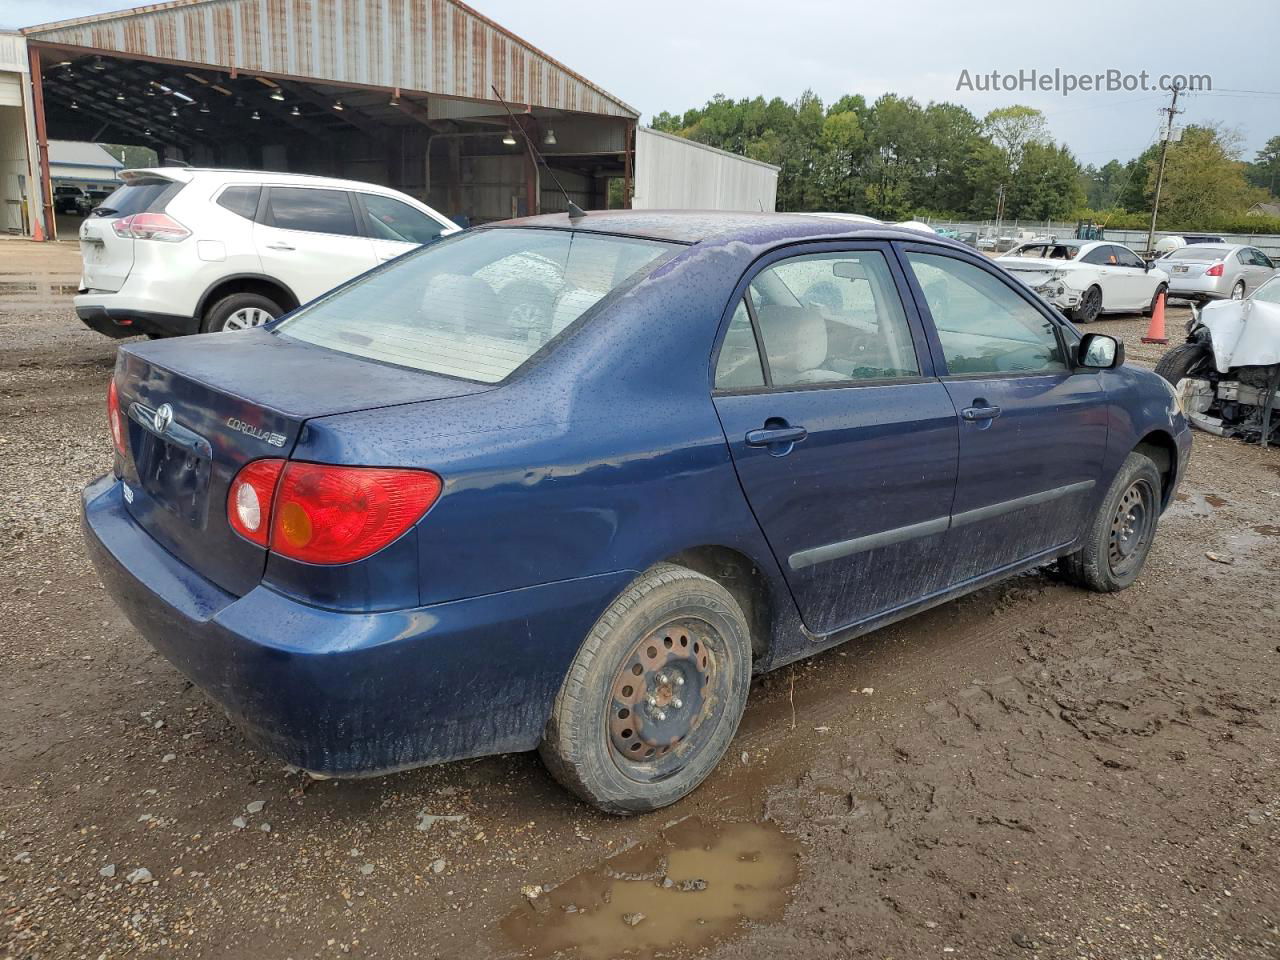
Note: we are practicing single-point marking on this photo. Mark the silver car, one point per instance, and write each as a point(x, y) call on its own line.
point(1203, 272)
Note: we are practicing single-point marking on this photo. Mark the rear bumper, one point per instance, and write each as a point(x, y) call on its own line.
point(1198, 289)
point(124, 322)
point(351, 694)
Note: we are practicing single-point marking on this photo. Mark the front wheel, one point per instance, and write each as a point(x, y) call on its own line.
point(1161, 291)
point(1120, 534)
point(1182, 361)
point(654, 696)
point(1090, 306)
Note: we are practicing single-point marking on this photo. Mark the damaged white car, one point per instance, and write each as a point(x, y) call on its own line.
point(1087, 278)
point(1227, 374)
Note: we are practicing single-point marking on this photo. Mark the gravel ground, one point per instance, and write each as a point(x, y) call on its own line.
point(1029, 771)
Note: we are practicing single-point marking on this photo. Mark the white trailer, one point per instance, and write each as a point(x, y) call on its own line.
point(673, 173)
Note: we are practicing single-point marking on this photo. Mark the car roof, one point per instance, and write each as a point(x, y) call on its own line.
point(188, 174)
point(721, 226)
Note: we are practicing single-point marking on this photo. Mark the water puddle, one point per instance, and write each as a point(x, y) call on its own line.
point(1189, 504)
point(692, 886)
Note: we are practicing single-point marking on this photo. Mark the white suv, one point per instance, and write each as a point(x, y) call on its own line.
point(181, 250)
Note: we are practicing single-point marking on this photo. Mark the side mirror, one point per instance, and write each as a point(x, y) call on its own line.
point(1147, 265)
point(1097, 351)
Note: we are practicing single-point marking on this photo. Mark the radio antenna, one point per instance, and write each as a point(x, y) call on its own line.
point(575, 211)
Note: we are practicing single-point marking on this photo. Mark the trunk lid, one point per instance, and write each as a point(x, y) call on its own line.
point(198, 409)
point(108, 257)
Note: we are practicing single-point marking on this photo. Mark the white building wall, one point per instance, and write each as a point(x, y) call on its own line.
point(673, 173)
point(19, 174)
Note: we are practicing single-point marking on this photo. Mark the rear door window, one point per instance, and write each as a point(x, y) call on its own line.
point(831, 318)
point(312, 210)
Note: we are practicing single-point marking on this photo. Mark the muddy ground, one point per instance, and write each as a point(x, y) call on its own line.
point(1031, 771)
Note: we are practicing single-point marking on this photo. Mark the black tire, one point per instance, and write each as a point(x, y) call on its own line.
point(675, 626)
point(217, 316)
point(1155, 298)
point(1090, 306)
point(1182, 361)
point(1111, 559)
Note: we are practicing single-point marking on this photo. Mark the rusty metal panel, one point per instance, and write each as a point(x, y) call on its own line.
point(430, 46)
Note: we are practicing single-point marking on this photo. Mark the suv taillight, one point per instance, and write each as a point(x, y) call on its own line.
point(323, 514)
point(1214, 271)
point(115, 418)
point(150, 226)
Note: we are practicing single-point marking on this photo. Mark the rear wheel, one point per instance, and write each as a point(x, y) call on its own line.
point(1237, 292)
point(654, 695)
point(1120, 535)
point(240, 311)
point(1184, 360)
point(1090, 306)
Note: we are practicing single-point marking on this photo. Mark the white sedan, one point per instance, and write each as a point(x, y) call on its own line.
point(1086, 278)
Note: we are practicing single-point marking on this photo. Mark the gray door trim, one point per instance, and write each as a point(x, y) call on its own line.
point(927, 528)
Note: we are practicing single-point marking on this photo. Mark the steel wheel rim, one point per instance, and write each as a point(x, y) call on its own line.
point(246, 318)
point(662, 699)
point(1131, 528)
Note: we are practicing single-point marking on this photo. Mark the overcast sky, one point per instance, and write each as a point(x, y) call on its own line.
point(675, 54)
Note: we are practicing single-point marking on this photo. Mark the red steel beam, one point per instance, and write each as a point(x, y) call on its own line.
point(42, 145)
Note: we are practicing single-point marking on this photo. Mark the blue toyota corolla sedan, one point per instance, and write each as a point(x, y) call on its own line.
point(567, 484)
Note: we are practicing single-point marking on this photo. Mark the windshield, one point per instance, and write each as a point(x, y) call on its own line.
point(1269, 292)
point(1199, 253)
point(476, 306)
point(1047, 251)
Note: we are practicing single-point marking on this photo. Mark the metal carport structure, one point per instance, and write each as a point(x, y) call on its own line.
point(398, 92)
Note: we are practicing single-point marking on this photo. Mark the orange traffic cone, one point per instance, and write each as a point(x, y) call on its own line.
point(1155, 332)
point(37, 231)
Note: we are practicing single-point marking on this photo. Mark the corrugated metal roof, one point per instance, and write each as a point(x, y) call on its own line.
point(431, 46)
point(78, 153)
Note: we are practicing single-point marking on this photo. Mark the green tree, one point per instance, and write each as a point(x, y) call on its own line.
point(1046, 185)
point(1265, 170)
point(1014, 128)
point(1203, 178)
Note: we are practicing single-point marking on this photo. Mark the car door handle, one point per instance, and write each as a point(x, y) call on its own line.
point(278, 246)
point(771, 435)
point(980, 413)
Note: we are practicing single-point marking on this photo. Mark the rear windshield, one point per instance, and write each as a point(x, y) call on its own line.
point(476, 306)
point(1199, 253)
point(140, 196)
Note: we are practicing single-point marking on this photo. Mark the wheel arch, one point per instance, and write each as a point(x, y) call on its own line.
point(745, 580)
point(247, 283)
point(1160, 447)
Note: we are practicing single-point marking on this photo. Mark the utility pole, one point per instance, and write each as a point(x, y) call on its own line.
point(1170, 112)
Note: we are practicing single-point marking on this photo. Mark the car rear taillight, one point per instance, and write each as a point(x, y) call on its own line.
point(115, 419)
point(324, 514)
point(249, 499)
point(150, 226)
point(1214, 271)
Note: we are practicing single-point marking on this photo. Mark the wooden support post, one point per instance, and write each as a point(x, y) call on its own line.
point(628, 156)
